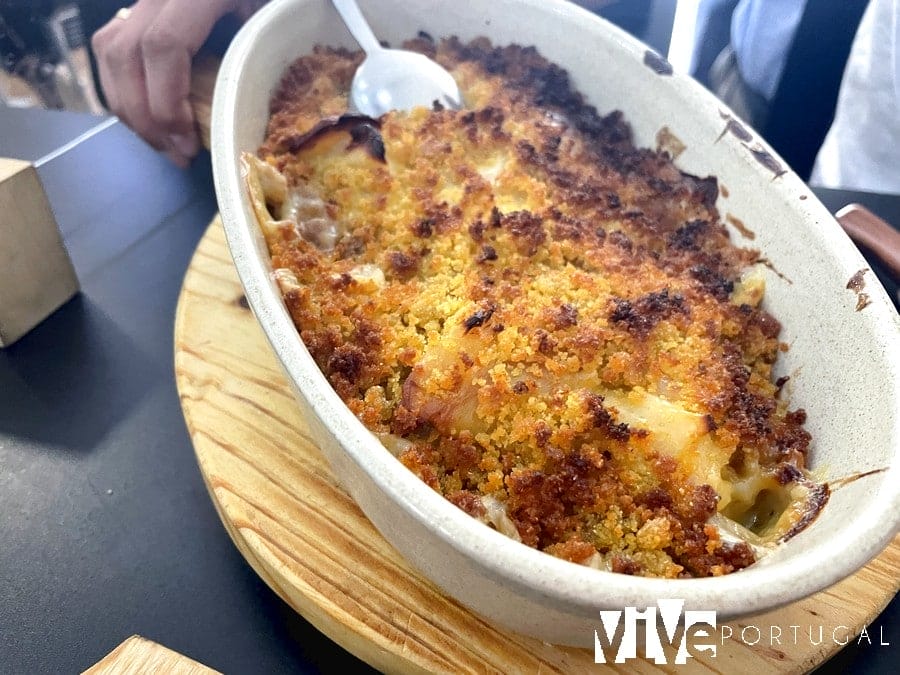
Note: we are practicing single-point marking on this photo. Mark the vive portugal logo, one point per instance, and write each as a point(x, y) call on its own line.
point(692, 630)
point(665, 628)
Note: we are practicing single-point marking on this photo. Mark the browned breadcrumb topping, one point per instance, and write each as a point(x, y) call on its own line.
point(537, 315)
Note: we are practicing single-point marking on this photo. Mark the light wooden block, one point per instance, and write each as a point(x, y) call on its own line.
point(140, 656)
point(36, 273)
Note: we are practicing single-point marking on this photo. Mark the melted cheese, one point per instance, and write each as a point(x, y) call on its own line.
point(674, 432)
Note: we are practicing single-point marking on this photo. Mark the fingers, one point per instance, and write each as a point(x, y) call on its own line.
point(144, 63)
point(168, 47)
point(101, 43)
point(131, 90)
point(120, 63)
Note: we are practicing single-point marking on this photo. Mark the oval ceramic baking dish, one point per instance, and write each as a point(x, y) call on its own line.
point(844, 364)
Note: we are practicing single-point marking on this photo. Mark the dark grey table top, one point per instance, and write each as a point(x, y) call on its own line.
point(106, 528)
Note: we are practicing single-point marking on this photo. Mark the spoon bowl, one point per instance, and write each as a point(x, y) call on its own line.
point(393, 79)
point(396, 79)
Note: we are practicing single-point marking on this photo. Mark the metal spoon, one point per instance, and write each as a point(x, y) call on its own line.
point(393, 79)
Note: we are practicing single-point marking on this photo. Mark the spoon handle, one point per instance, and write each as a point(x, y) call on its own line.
point(357, 24)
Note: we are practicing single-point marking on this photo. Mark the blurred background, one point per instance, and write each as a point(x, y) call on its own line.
point(778, 63)
point(44, 45)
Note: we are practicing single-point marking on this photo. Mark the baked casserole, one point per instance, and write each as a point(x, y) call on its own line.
point(546, 324)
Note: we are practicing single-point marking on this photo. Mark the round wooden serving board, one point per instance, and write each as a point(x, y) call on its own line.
point(312, 545)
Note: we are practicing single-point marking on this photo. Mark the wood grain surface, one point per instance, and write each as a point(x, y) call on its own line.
point(203, 83)
point(311, 544)
point(140, 656)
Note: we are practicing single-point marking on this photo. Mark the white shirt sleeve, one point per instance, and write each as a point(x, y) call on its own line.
point(762, 32)
point(862, 149)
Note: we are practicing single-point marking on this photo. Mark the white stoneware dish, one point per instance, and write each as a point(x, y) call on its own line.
point(844, 364)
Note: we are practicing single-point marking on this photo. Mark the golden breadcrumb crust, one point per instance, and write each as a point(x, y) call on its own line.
point(533, 313)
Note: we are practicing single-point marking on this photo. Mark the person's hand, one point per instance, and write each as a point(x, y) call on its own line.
point(144, 58)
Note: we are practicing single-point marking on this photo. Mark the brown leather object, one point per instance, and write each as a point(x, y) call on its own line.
point(873, 235)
